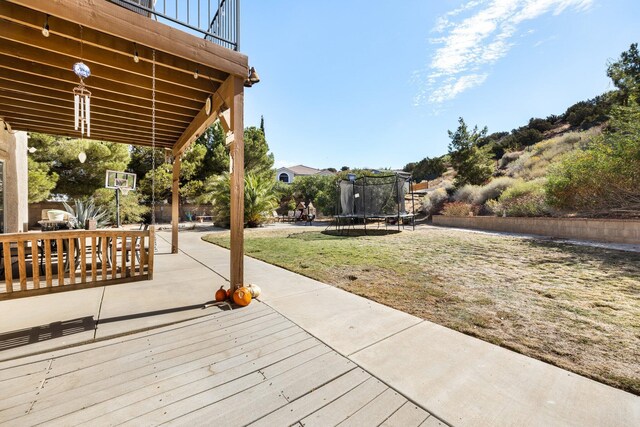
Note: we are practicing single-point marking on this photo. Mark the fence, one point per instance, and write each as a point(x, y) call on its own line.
point(37, 263)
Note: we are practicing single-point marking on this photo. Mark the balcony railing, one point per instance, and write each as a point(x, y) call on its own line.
point(215, 20)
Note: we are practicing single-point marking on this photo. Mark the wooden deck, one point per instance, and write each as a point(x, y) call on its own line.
point(247, 366)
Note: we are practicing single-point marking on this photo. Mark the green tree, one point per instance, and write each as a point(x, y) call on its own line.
point(625, 73)
point(216, 158)
point(257, 159)
point(74, 178)
point(41, 180)
point(472, 163)
point(428, 169)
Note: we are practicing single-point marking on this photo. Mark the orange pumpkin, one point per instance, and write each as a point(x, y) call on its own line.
point(242, 296)
point(229, 293)
point(221, 294)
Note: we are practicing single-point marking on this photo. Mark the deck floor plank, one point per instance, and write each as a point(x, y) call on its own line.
point(196, 402)
point(90, 394)
point(147, 399)
point(227, 368)
point(409, 415)
point(125, 367)
point(377, 411)
point(271, 394)
point(314, 400)
point(345, 406)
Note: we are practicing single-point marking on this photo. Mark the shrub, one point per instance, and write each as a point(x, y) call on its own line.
point(492, 190)
point(467, 193)
point(508, 158)
point(457, 209)
point(433, 202)
point(84, 210)
point(525, 199)
point(603, 178)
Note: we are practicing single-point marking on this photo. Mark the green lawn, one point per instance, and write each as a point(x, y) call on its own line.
point(576, 307)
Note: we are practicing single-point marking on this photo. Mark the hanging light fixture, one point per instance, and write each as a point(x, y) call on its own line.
point(45, 27)
point(82, 157)
point(136, 58)
point(196, 74)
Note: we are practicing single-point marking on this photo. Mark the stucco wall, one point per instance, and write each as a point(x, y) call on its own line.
point(13, 151)
point(599, 230)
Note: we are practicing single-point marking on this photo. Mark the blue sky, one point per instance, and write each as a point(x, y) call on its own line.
point(378, 84)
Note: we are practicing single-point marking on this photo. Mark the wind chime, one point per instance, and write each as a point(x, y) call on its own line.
point(82, 100)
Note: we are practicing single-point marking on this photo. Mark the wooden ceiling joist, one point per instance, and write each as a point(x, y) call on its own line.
point(36, 79)
point(27, 17)
point(111, 19)
point(36, 72)
point(63, 91)
point(95, 128)
point(64, 132)
point(63, 63)
point(95, 56)
point(104, 115)
point(96, 123)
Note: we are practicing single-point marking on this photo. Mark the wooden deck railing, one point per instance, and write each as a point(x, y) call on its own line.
point(37, 263)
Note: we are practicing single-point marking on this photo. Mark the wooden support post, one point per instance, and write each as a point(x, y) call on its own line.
point(237, 184)
point(175, 204)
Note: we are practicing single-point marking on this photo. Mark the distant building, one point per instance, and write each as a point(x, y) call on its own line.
point(288, 174)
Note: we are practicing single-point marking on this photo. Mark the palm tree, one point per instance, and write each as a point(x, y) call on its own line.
point(259, 199)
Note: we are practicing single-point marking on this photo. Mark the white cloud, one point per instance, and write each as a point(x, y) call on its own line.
point(475, 36)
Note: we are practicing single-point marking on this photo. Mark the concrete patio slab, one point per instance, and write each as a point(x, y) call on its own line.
point(344, 321)
point(439, 368)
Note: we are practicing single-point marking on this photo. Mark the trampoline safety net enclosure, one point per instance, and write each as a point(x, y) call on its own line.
point(374, 197)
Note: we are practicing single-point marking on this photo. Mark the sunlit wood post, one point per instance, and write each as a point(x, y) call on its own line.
point(237, 183)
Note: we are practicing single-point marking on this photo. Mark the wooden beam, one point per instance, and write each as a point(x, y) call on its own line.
point(64, 90)
point(55, 78)
point(100, 115)
point(54, 46)
point(175, 204)
point(27, 17)
point(67, 122)
point(30, 61)
point(49, 129)
point(237, 184)
point(11, 89)
point(120, 22)
point(203, 120)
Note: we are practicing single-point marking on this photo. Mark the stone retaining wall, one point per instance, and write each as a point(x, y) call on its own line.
point(599, 230)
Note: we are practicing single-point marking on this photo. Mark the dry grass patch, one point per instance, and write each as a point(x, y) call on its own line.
point(576, 307)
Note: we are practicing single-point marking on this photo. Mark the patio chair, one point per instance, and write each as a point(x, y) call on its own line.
point(297, 216)
point(275, 216)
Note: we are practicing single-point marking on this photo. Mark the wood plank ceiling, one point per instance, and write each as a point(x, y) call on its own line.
point(36, 79)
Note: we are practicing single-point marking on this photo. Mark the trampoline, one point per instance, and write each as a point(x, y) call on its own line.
point(379, 198)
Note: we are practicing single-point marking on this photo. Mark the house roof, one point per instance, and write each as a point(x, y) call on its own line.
point(303, 170)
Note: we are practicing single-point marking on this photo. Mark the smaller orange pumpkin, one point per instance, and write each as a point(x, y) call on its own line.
point(229, 293)
point(242, 296)
point(221, 294)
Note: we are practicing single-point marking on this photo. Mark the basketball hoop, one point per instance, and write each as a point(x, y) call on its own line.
point(125, 190)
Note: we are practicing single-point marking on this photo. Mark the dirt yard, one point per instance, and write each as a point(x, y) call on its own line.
point(576, 307)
